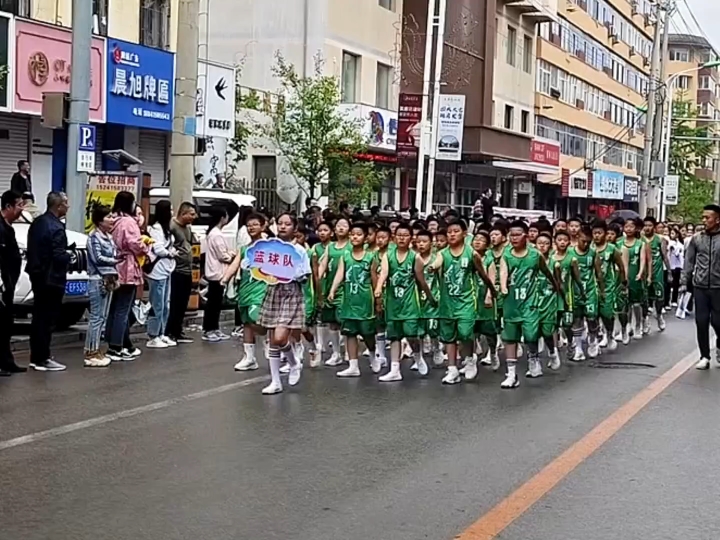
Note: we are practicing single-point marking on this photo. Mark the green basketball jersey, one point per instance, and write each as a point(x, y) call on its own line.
point(634, 257)
point(658, 264)
point(402, 301)
point(500, 300)
point(521, 301)
point(609, 270)
point(484, 313)
point(358, 301)
point(563, 266)
point(457, 286)
point(586, 269)
point(334, 253)
point(547, 298)
point(427, 310)
point(251, 291)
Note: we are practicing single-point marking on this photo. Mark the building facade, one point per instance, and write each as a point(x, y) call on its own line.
point(591, 87)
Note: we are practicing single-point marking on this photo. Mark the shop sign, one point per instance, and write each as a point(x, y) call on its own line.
point(450, 128)
point(43, 54)
point(671, 190)
point(141, 85)
point(608, 185)
point(546, 153)
point(379, 126)
point(215, 106)
point(578, 186)
point(409, 125)
point(632, 189)
point(102, 187)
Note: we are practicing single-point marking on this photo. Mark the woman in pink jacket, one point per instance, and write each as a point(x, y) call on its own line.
point(128, 239)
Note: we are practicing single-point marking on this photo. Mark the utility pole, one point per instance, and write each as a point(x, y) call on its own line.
point(79, 113)
point(650, 120)
point(662, 101)
point(182, 157)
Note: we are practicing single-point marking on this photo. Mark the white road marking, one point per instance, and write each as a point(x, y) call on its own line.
point(128, 413)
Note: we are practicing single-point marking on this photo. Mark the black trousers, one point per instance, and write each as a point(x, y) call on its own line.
point(47, 302)
point(6, 325)
point(180, 289)
point(213, 307)
point(707, 312)
point(675, 286)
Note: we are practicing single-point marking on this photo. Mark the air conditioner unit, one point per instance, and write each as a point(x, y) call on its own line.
point(612, 34)
point(580, 104)
point(555, 93)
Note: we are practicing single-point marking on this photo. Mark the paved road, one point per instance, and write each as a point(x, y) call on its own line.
point(178, 446)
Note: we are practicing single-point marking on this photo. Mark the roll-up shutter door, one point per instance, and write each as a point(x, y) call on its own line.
point(99, 138)
point(152, 150)
point(14, 146)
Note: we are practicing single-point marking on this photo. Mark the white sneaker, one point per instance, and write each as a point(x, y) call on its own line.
point(423, 368)
point(427, 346)
point(452, 376)
point(299, 351)
point(495, 365)
point(295, 373)
point(393, 375)
point(579, 356)
point(703, 364)
point(407, 351)
point(534, 369)
point(315, 359)
point(680, 314)
point(646, 326)
point(562, 340)
point(222, 336)
point(376, 364)
point(673, 304)
point(520, 350)
point(593, 349)
point(156, 343)
point(50, 365)
point(554, 362)
point(101, 361)
point(465, 361)
point(471, 370)
point(486, 360)
point(604, 341)
point(414, 366)
point(637, 334)
point(352, 371)
point(625, 336)
point(541, 345)
point(169, 342)
point(285, 368)
point(210, 337)
point(612, 345)
point(237, 331)
point(246, 364)
point(511, 381)
point(334, 360)
point(661, 323)
point(366, 353)
point(272, 388)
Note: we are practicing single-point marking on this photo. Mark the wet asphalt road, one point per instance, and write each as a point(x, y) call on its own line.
point(203, 455)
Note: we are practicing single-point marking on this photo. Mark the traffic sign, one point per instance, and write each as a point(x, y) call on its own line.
point(86, 148)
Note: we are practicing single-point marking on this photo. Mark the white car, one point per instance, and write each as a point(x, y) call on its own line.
point(76, 291)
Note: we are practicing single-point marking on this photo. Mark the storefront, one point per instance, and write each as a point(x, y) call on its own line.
point(140, 96)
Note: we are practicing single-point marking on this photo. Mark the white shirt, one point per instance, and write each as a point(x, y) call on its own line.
point(162, 251)
point(676, 252)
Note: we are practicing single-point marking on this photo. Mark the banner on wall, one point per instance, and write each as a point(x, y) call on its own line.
point(409, 125)
point(102, 187)
point(451, 125)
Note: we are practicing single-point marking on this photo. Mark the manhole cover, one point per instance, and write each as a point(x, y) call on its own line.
point(622, 365)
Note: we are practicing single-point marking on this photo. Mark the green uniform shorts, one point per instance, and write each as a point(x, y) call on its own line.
point(454, 330)
point(486, 328)
point(397, 330)
point(329, 315)
point(430, 328)
point(249, 314)
point(637, 292)
point(656, 289)
point(515, 332)
point(354, 328)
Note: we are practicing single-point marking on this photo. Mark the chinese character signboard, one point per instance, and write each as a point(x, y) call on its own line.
point(671, 189)
point(141, 86)
point(409, 125)
point(450, 127)
point(102, 188)
point(215, 106)
point(632, 189)
point(546, 153)
point(608, 185)
point(43, 54)
point(274, 261)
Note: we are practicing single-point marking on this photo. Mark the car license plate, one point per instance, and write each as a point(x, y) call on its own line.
point(76, 288)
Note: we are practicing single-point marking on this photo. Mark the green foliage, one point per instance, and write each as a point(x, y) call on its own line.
point(317, 139)
point(685, 156)
point(243, 131)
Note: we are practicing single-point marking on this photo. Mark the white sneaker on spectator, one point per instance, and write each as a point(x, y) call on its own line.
point(169, 342)
point(156, 343)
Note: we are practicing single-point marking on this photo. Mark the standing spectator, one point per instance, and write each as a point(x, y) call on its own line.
point(676, 251)
point(217, 258)
point(162, 261)
point(11, 206)
point(181, 278)
point(102, 282)
point(702, 266)
point(488, 203)
point(20, 181)
point(130, 246)
point(47, 265)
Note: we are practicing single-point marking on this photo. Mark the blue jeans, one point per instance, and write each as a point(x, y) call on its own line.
point(160, 302)
point(119, 318)
point(98, 314)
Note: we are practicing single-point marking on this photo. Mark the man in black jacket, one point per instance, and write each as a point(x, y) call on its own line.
point(702, 265)
point(47, 265)
point(11, 206)
point(20, 181)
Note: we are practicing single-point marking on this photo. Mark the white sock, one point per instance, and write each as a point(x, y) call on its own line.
point(511, 366)
point(380, 343)
point(274, 361)
point(289, 353)
point(395, 367)
point(354, 364)
point(249, 351)
point(320, 336)
point(335, 341)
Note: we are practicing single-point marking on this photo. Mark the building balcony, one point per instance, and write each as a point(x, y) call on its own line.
point(538, 10)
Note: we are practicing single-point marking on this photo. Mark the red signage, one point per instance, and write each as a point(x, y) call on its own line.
point(409, 125)
point(565, 185)
point(545, 153)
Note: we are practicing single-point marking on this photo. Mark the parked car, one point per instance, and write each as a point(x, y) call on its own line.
point(76, 291)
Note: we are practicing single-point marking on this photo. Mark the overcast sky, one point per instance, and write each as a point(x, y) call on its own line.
point(707, 12)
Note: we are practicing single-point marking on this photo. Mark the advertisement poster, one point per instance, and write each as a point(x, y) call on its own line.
point(451, 124)
point(409, 125)
point(671, 188)
point(608, 185)
point(632, 189)
point(103, 187)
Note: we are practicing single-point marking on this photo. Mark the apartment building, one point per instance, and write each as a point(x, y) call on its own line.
point(591, 87)
point(359, 42)
point(696, 85)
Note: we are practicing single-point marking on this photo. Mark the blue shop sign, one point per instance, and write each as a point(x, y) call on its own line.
point(608, 185)
point(141, 85)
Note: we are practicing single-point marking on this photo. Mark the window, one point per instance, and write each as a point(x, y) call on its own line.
point(16, 7)
point(679, 55)
point(511, 45)
point(382, 86)
point(527, 54)
point(155, 23)
point(525, 121)
point(704, 83)
point(100, 22)
point(682, 82)
point(509, 116)
point(387, 4)
point(349, 77)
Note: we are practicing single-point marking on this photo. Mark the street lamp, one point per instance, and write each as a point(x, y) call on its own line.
point(668, 124)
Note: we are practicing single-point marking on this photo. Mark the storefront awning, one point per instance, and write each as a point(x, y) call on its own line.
point(528, 167)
